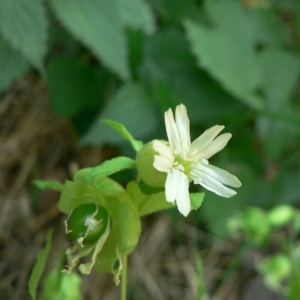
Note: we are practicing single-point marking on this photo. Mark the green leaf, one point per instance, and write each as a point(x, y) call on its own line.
point(132, 107)
point(171, 70)
point(58, 285)
point(110, 167)
point(12, 65)
point(126, 219)
point(40, 266)
point(49, 185)
point(137, 15)
point(225, 15)
point(236, 67)
point(147, 204)
point(73, 87)
point(137, 145)
point(196, 200)
point(256, 25)
point(98, 25)
point(280, 76)
point(24, 25)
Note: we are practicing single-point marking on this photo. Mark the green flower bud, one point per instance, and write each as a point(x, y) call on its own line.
point(144, 162)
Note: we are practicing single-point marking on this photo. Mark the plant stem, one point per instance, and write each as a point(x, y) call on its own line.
point(124, 279)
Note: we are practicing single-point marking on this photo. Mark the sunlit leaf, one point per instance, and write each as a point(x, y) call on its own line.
point(137, 145)
point(49, 185)
point(110, 167)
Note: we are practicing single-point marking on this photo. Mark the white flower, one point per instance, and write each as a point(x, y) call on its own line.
point(185, 161)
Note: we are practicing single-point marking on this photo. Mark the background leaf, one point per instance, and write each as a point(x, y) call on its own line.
point(98, 25)
point(74, 87)
point(132, 107)
point(235, 67)
point(137, 14)
point(12, 65)
point(24, 25)
point(137, 145)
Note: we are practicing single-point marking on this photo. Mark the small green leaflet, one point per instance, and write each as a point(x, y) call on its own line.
point(137, 145)
point(196, 200)
point(110, 167)
point(40, 266)
point(49, 185)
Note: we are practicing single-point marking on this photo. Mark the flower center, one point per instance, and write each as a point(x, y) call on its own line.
point(183, 165)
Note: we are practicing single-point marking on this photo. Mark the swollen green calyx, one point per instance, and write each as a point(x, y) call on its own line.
point(147, 172)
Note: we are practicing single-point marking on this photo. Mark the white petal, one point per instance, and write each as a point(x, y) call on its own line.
point(206, 138)
point(171, 185)
point(163, 150)
point(213, 185)
point(177, 188)
point(220, 175)
point(172, 132)
point(215, 146)
point(183, 128)
point(162, 164)
point(183, 198)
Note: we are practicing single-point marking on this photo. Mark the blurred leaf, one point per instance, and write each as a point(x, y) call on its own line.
point(294, 282)
point(171, 71)
point(225, 15)
point(235, 67)
point(40, 266)
point(73, 87)
point(137, 15)
point(200, 273)
point(137, 145)
point(288, 183)
point(98, 25)
point(275, 269)
point(48, 184)
point(267, 27)
point(280, 75)
point(12, 65)
point(24, 25)
point(174, 11)
point(254, 191)
point(136, 39)
point(111, 166)
point(256, 25)
point(132, 107)
point(58, 285)
point(280, 215)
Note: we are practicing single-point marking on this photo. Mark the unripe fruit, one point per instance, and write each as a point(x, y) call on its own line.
point(86, 224)
point(147, 172)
